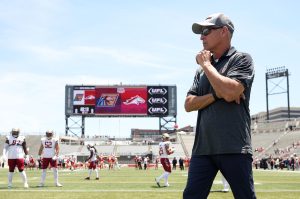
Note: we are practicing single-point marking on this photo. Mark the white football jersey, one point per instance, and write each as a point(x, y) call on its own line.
point(94, 156)
point(49, 147)
point(162, 148)
point(15, 148)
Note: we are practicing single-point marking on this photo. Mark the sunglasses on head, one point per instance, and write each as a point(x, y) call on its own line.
point(206, 31)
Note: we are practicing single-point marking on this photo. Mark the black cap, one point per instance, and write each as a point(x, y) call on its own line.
point(214, 20)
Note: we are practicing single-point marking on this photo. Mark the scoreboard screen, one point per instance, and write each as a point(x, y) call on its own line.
point(131, 101)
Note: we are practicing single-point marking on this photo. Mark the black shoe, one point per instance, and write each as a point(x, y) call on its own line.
point(87, 178)
point(97, 178)
point(157, 182)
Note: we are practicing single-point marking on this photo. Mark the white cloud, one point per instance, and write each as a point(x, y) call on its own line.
point(46, 53)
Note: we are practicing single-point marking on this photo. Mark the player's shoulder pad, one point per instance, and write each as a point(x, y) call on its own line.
point(21, 137)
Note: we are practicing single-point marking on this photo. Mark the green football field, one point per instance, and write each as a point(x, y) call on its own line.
point(129, 183)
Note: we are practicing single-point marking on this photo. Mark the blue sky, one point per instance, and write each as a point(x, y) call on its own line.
point(46, 44)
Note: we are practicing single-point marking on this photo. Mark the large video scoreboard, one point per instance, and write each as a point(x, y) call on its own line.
point(121, 100)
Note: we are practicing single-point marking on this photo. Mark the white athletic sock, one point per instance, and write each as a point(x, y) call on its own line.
point(162, 176)
point(90, 172)
point(10, 176)
point(55, 174)
point(43, 177)
point(97, 173)
point(24, 177)
point(166, 175)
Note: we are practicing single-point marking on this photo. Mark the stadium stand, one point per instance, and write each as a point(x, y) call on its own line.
point(187, 141)
point(273, 139)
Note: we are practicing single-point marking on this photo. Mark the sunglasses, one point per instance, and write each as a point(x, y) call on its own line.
point(207, 31)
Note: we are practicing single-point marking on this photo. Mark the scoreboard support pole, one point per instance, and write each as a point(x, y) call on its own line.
point(278, 72)
point(167, 123)
point(75, 125)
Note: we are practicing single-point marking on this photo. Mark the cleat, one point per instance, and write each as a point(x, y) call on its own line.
point(157, 182)
point(58, 184)
point(167, 185)
point(97, 179)
point(41, 185)
point(9, 186)
point(225, 190)
point(87, 178)
point(26, 185)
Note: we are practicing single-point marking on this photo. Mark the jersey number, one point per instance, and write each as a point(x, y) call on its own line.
point(48, 144)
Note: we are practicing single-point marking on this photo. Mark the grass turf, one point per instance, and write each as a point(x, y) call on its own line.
point(129, 183)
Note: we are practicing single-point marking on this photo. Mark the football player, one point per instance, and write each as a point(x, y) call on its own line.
point(50, 150)
point(165, 149)
point(31, 164)
point(14, 150)
point(93, 161)
point(101, 160)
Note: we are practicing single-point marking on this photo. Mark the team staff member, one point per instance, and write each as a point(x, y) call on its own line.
point(220, 93)
point(14, 150)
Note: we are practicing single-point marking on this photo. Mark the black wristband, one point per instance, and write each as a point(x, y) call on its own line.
point(215, 95)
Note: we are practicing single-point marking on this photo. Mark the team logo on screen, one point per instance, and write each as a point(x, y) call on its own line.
point(157, 110)
point(157, 100)
point(89, 97)
point(107, 100)
point(78, 97)
point(161, 91)
point(137, 100)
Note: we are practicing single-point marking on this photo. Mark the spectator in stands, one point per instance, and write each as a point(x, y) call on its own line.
point(14, 150)
point(50, 150)
point(220, 93)
point(165, 149)
point(174, 163)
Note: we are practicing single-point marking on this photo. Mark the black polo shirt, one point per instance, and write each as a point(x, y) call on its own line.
point(224, 127)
